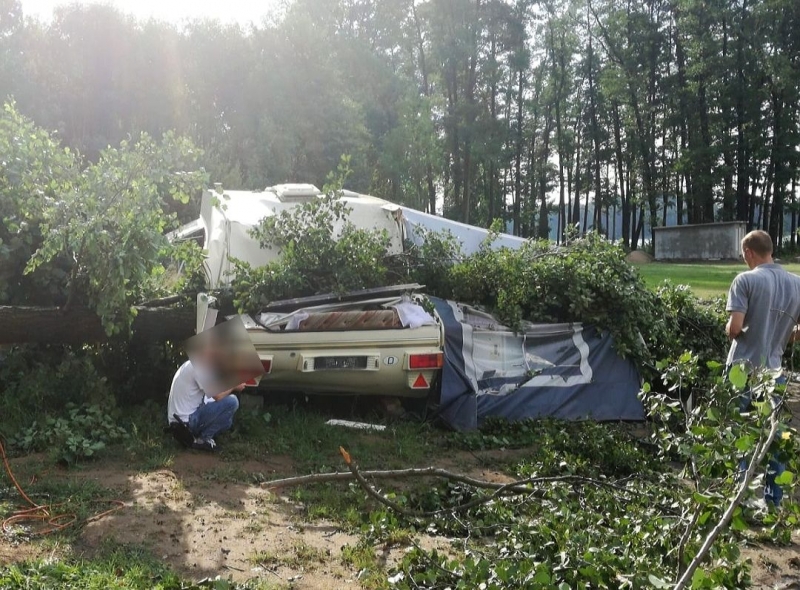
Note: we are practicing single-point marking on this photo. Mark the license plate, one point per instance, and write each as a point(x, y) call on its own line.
point(340, 363)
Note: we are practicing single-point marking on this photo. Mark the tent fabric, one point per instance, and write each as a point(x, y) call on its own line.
point(566, 371)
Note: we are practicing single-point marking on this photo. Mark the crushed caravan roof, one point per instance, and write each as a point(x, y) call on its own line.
point(228, 216)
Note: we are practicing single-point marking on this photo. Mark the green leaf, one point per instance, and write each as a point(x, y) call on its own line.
point(738, 377)
point(744, 443)
point(658, 582)
point(785, 478)
point(738, 524)
point(542, 577)
point(699, 578)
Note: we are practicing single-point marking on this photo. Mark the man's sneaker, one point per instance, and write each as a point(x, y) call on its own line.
point(206, 445)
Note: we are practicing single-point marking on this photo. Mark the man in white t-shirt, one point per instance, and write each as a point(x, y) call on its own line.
point(187, 403)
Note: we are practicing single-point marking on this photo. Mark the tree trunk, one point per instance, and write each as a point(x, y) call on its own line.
point(586, 205)
point(575, 215)
point(51, 325)
point(686, 127)
point(560, 68)
point(593, 118)
point(779, 147)
point(728, 194)
point(544, 226)
point(793, 237)
point(423, 67)
point(743, 209)
point(518, 159)
point(624, 199)
point(706, 189)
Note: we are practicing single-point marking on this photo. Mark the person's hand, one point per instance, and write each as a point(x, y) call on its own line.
point(240, 387)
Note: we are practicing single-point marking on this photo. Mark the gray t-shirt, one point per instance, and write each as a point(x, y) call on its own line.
point(769, 297)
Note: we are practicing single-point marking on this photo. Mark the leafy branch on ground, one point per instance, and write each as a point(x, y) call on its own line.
point(82, 433)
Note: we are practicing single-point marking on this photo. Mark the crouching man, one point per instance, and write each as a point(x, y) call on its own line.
point(190, 403)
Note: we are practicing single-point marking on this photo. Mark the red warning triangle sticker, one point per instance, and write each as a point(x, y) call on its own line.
point(420, 382)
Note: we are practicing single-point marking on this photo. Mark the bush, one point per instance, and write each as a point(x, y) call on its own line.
point(587, 280)
point(38, 381)
point(321, 252)
point(81, 434)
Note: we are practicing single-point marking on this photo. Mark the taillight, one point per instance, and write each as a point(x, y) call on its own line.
point(425, 361)
point(267, 364)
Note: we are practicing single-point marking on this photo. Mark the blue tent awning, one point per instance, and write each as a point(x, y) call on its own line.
point(566, 371)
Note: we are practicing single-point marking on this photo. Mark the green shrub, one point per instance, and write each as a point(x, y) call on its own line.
point(316, 257)
point(587, 280)
point(81, 434)
point(37, 381)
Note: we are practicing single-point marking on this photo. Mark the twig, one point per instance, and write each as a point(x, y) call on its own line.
point(385, 474)
point(758, 456)
point(515, 487)
point(687, 533)
point(518, 487)
point(434, 563)
point(273, 572)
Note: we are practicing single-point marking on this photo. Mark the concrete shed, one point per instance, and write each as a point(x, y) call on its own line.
point(705, 241)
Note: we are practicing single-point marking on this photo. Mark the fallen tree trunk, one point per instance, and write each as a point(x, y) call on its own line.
point(52, 325)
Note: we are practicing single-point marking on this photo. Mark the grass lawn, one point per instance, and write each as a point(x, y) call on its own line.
point(707, 279)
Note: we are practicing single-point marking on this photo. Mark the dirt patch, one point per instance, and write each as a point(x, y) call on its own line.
point(201, 518)
point(207, 516)
point(774, 567)
point(202, 524)
point(15, 553)
point(639, 257)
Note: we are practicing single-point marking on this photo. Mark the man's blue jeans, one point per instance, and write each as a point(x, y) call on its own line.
point(773, 493)
point(210, 419)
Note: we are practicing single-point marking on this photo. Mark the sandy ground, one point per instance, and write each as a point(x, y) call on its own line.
point(195, 519)
point(779, 567)
point(204, 526)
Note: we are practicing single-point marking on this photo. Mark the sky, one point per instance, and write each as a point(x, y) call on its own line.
point(176, 11)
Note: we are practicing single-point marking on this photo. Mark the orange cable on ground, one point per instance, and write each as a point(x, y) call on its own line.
point(41, 512)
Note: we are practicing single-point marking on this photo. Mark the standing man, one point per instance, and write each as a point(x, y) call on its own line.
point(187, 403)
point(764, 308)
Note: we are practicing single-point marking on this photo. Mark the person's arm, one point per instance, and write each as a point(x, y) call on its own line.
point(219, 396)
point(738, 302)
point(735, 325)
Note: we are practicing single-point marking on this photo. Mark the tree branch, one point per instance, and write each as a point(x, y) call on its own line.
point(521, 486)
point(758, 456)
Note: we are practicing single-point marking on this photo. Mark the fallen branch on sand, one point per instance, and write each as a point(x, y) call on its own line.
point(520, 486)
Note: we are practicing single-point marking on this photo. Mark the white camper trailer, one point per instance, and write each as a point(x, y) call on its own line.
point(362, 344)
point(226, 218)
